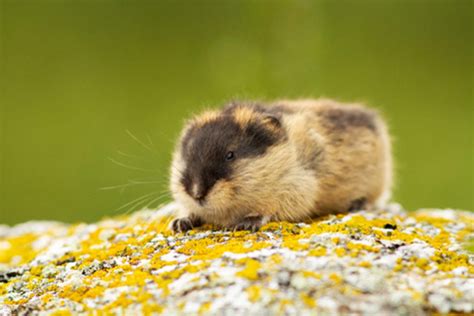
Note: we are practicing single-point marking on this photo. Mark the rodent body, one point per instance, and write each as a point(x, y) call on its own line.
point(289, 160)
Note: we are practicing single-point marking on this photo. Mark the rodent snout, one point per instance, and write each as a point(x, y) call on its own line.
point(198, 194)
point(196, 189)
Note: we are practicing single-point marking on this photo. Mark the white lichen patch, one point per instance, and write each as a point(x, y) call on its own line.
point(374, 263)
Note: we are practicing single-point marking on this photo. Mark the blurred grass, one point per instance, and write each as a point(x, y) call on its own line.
point(76, 75)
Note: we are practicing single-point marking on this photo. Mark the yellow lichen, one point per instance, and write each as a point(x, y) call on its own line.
point(317, 252)
point(422, 263)
point(61, 312)
point(336, 278)
point(308, 300)
point(151, 308)
point(253, 293)
point(251, 270)
point(140, 263)
point(204, 308)
point(295, 244)
point(365, 264)
point(17, 250)
point(340, 251)
point(312, 274)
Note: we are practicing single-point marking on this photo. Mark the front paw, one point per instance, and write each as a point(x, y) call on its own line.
point(251, 223)
point(183, 224)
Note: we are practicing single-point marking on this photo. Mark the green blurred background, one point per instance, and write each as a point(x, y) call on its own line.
point(77, 75)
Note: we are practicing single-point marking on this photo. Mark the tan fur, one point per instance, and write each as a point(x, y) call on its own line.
point(204, 118)
point(243, 115)
point(316, 170)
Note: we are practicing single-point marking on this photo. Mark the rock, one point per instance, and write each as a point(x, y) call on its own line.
point(383, 262)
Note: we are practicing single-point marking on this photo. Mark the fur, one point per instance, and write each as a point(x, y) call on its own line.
point(294, 160)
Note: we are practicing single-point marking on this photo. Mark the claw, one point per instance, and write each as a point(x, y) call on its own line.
point(252, 224)
point(182, 225)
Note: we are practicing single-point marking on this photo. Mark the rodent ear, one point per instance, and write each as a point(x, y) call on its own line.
point(272, 121)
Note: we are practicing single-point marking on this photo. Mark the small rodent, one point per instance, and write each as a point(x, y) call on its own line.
point(251, 163)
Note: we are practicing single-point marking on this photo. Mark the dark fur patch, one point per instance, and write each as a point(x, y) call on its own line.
point(358, 204)
point(314, 160)
point(205, 155)
point(342, 119)
point(187, 138)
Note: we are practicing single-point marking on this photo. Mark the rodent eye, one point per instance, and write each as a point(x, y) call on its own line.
point(230, 156)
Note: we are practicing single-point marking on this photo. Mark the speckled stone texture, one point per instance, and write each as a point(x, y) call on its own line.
point(375, 263)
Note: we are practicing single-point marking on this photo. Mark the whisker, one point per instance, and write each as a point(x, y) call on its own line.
point(149, 201)
point(140, 142)
point(114, 187)
point(177, 170)
point(135, 206)
point(153, 201)
point(160, 199)
point(165, 192)
point(143, 182)
point(131, 202)
point(129, 184)
point(150, 142)
point(128, 155)
point(121, 164)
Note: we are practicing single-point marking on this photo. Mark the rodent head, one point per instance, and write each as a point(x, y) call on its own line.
point(215, 146)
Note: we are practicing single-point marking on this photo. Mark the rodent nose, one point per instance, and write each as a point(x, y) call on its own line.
point(198, 194)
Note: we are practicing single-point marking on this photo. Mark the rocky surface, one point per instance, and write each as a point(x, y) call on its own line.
point(374, 263)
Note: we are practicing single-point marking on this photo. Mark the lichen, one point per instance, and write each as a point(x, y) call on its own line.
point(387, 261)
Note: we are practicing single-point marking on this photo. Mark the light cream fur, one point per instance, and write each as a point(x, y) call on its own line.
point(307, 175)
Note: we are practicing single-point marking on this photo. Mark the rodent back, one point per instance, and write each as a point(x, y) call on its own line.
point(356, 157)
